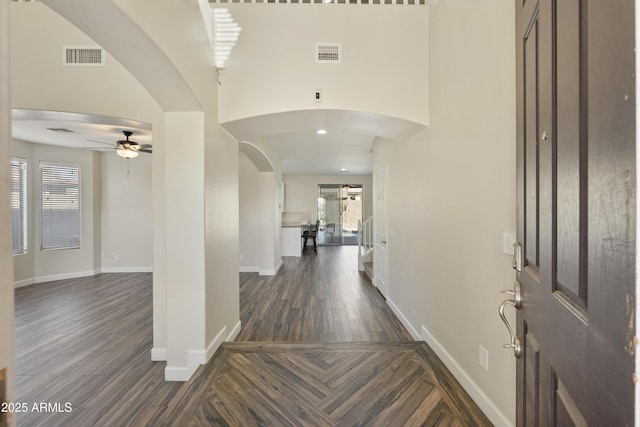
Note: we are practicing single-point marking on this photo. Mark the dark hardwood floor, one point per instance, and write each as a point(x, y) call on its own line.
point(319, 347)
point(315, 298)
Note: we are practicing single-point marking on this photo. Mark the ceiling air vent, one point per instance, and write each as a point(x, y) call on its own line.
point(328, 53)
point(84, 56)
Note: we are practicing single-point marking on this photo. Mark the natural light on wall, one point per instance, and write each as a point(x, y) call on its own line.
point(226, 32)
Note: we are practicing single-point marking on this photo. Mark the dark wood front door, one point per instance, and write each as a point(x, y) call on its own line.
point(576, 211)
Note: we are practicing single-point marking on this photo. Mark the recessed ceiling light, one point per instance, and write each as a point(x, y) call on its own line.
point(321, 132)
point(344, 170)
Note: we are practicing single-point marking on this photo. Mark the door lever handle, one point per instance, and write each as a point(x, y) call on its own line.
point(515, 292)
point(515, 341)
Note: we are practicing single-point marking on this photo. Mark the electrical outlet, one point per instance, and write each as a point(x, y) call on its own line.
point(483, 357)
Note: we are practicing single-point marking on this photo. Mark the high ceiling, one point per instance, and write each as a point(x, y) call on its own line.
point(292, 136)
point(72, 130)
point(289, 135)
point(347, 144)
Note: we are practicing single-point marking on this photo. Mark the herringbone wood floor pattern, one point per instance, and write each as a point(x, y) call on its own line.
point(321, 348)
point(334, 384)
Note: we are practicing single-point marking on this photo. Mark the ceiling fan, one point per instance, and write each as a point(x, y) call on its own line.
point(130, 149)
point(127, 148)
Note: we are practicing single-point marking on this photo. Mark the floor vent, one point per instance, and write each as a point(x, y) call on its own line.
point(328, 53)
point(84, 56)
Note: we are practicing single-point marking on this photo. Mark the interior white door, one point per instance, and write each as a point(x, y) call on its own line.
point(380, 225)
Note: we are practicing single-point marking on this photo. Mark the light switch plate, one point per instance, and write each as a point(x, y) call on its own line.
point(508, 239)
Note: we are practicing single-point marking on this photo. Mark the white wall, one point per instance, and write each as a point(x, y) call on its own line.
point(451, 195)
point(6, 258)
point(260, 219)
point(249, 215)
point(172, 26)
point(222, 225)
point(268, 228)
point(127, 215)
point(37, 37)
point(273, 69)
point(301, 192)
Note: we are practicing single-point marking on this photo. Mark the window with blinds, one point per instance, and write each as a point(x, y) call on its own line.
point(18, 203)
point(59, 207)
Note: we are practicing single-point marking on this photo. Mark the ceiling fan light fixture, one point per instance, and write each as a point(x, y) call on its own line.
point(127, 154)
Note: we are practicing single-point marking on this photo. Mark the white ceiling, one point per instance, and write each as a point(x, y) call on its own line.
point(292, 136)
point(348, 143)
point(87, 131)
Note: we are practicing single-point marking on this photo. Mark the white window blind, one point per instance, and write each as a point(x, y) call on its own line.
point(18, 201)
point(60, 206)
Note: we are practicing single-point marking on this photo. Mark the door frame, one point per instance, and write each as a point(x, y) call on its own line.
point(342, 182)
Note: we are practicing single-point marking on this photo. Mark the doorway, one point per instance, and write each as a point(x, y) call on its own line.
point(339, 210)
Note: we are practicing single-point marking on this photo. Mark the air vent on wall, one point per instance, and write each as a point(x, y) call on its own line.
point(60, 130)
point(84, 56)
point(328, 53)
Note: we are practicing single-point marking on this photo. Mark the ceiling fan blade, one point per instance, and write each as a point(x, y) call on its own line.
point(145, 146)
point(145, 150)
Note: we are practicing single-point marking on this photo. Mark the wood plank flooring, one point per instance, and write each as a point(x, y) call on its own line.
point(319, 346)
point(315, 298)
point(330, 384)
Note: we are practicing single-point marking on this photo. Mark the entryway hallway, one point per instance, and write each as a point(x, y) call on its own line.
point(319, 346)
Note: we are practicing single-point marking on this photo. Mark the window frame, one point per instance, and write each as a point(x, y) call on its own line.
point(76, 241)
point(24, 167)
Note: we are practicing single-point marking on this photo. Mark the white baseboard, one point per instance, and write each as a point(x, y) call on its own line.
point(26, 282)
point(178, 373)
point(158, 354)
point(126, 270)
point(249, 269)
point(405, 322)
point(184, 373)
point(64, 276)
point(195, 358)
point(78, 274)
point(215, 344)
point(271, 272)
point(482, 400)
point(235, 332)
